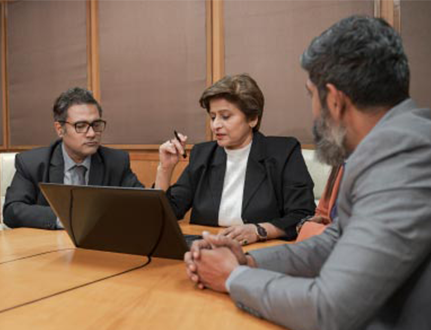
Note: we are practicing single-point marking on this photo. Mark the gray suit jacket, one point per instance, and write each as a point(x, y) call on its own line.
point(372, 268)
point(25, 205)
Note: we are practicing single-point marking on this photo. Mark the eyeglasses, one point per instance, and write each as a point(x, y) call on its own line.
point(83, 126)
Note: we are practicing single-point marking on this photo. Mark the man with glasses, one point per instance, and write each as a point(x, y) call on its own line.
point(77, 158)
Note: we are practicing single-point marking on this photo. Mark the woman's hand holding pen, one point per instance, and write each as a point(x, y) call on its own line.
point(171, 151)
point(169, 156)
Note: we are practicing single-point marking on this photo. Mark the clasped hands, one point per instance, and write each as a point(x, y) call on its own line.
point(211, 260)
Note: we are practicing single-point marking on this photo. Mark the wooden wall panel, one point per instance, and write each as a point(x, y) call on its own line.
point(416, 33)
point(46, 55)
point(144, 165)
point(266, 39)
point(152, 69)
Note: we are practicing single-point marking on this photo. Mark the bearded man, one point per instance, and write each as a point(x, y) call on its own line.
point(371, 269)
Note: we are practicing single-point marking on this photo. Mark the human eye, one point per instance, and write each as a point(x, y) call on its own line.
point(97, 124)
point(81, 125)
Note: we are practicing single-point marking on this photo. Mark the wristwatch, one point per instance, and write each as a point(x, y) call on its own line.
point(261, 232)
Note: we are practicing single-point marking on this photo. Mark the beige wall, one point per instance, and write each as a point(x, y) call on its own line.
point(266, 39)
point(416, 34)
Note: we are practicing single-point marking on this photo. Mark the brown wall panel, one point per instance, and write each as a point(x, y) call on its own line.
point(152, 69)
point(416, 33)
point(144, 165)
point(266, 39)
point(47, 54)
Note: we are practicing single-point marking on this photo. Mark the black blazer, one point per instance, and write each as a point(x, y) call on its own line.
point(25, 205)
point(278, 188)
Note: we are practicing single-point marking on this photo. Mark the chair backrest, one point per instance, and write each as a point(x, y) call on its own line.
point(7, 171)
point(319, 172)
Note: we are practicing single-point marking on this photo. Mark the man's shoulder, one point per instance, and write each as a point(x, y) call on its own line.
point(401, 132)
point(35, 155)
point(395, 154)
point(415, 125)
point(35, 162)
point(112, 159)
point(112, 153)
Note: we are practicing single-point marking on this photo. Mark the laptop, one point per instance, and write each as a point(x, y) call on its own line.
point(116, 219)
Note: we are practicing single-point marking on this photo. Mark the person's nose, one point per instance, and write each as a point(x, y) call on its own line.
point(90, 132)
point(217, 123)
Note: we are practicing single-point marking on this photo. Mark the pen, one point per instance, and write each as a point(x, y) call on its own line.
point(179, 140)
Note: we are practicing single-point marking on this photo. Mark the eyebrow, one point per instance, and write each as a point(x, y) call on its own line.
point(219, 111)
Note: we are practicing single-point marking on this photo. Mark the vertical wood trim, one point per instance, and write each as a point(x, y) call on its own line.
point(94, 48)
point(389, 10)
point(215, 48)
point(209, 40)
point(218, 39)
point(5, 92)
point(209, 55)
point(397, 15)
point(89, 60)
point(377, 8)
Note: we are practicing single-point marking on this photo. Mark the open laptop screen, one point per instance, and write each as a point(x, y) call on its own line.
point(116, 219)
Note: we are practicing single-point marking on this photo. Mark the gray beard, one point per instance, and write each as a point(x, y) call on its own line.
point(329, 140)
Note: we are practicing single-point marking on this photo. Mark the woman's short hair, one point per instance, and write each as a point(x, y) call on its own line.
point(240, 90)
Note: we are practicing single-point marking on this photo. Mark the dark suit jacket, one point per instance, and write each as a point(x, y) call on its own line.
point(25, 205)
point(278, 188)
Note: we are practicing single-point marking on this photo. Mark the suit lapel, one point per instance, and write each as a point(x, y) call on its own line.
point(255, 173)
point(216, 176)
point(96, 170)
point(56, 168)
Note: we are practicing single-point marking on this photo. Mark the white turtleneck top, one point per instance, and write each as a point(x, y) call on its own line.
point(233, 187)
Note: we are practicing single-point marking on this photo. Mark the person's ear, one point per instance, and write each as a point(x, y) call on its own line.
point(335, 102)
point(59, 129)
point(253, 122)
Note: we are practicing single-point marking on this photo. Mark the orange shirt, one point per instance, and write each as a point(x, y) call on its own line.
point(323, 209)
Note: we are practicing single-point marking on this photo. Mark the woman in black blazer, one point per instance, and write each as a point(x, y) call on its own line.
point(257, 187)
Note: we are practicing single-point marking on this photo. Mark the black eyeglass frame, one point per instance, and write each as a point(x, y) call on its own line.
point(88, 125)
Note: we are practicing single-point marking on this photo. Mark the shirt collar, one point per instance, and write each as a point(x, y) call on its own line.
point(239, 153)
point(69, 163)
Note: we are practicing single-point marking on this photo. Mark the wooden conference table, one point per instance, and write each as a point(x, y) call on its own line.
point(46, 283)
